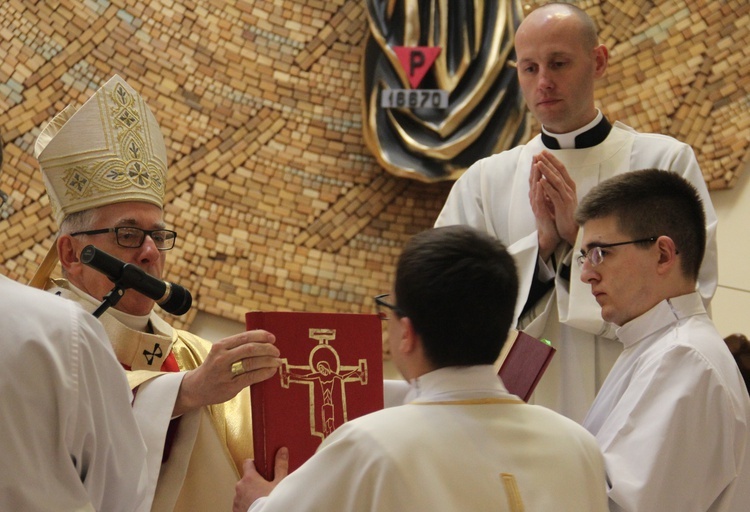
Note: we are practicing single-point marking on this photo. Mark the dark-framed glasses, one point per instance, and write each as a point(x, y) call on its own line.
point(384, 306)
point(596, 254)
point(132, 238)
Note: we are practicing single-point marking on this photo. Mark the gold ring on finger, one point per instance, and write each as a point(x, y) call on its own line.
point(238, 368)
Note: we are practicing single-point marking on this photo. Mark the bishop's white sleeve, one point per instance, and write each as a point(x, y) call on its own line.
point(111, 445)
point(152, 407)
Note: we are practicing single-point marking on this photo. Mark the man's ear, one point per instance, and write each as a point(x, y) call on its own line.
point(667, 254)
point(409, 338)
point(67, 252)
point(601, 58)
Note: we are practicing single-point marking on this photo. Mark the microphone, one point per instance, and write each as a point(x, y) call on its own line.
point(172, 298)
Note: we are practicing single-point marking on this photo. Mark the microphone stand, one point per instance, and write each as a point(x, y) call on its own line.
point(116, 293)
point(112, 298)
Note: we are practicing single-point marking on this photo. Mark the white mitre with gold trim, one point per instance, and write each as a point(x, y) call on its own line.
point(111, 150)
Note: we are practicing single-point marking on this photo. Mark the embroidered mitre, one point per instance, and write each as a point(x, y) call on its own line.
point(109, 151)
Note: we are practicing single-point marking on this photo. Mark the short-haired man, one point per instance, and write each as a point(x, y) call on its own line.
point(464, 442)
point(526, 197)
point(673, 416)
point(105, 170)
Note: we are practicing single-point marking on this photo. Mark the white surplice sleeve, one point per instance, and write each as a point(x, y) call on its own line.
point(347, 472)
point(651, 458)
point(68, 437)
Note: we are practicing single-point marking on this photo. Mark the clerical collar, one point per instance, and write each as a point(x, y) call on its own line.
point(585, 137)
point(137, 323)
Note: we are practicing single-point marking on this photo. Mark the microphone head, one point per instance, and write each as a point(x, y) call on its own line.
point(103, 262)
point(179, 300)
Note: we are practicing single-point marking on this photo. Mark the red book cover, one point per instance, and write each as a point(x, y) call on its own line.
point(522, 363)
point(331, 372)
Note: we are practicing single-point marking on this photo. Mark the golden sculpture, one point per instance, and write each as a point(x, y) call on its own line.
point(485, 112)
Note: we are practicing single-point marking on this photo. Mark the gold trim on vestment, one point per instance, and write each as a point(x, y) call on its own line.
point(476, 401)
point(512, 492)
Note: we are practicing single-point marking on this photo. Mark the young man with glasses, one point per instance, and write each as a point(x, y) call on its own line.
point(463, 443)
point(105, 170)
point(673, 416)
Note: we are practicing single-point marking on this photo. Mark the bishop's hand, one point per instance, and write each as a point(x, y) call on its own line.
point(232, 364)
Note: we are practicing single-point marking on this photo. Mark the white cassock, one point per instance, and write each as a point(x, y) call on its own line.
point(673, 416)
point(463, 444)
point(68, 437)
point(493, 196)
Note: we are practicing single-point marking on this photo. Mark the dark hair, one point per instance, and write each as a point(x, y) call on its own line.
point(458, 287)
point(652, 202)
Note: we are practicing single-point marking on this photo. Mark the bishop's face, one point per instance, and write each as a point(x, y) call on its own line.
point(150, 259)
